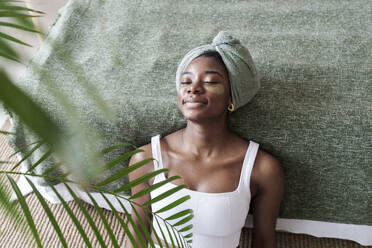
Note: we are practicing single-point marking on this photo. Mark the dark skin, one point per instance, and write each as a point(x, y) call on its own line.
point(208, 156)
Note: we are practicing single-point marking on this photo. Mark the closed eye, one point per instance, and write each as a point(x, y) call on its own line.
point(210, 82)
point(186, 82)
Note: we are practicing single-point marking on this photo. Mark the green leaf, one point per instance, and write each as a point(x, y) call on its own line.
point(28, 154)
point(125, 172)
point(52, 168)
point(15, 14)
point(134, 226)
point(87, 216)
point(180, 214)
point(7, 205)
point(109, 149)
point(11, 38)
point(72, 216)
point(162, 233)
point(41, 159)
point(49, 213)
point(184, 220)
point(104, 220)
point(7, 56)
point(186, 228)
point(165, 194)
point(121, 158)
point(176, 237)
point(174, 204)
point(153, 229)
point(8, 49)
point(20, 27)
point(6, 132)
point(29, 112)
point(140, 180)
point(9, 7)
point(169, 234)
point(5, 162)
point(143, 226)
point(153, 187)
point(188, 235)
point(121, 221)
point(23, 148)
point(26, 211)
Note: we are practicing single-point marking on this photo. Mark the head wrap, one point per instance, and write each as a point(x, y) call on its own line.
point(243, 76)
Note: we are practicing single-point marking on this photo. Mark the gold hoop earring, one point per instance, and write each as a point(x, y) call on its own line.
point(231, 107)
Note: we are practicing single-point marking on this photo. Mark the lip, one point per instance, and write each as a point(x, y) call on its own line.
point(190, 100)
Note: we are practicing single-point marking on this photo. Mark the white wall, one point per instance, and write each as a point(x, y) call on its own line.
point(14, 70)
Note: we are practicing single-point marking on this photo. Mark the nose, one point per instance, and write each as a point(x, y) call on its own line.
point(195, 88)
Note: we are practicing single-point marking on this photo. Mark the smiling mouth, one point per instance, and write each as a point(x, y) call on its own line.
point(193, 102)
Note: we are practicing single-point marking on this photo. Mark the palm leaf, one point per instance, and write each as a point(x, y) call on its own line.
point(26, 211)
point(19, 27)
point(121, 158)
point(6, 132)
point(11, 38)
point(8, 50)
point(44, 127)
point(125, 172)
point(16, 14)
point(164, 195)
point(7, 56)
point(143, 226)
point(104, 220)
point(153, 187)
point(173, 204)
point(153, 229)
point(121, 221)
point(29, 112)
point(87, 216)
point(140, 180)
point(23, 148)
point(49, 213)
point(27, 155)
point(41, 159)
point(72, 216)
point(6, 205)
point(134, 226)
point(17, 8)
point(109, 149)
point(162, 233)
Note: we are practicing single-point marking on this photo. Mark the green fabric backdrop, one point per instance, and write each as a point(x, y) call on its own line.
point(313, 110)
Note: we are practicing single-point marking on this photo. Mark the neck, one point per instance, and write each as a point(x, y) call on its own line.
point(205, 139)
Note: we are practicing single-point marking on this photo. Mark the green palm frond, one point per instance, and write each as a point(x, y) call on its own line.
point(20, 20)
point(182, 216)
point(76, 153)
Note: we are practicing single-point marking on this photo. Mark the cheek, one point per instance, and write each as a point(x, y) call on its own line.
point(217, 89)
point(180, 93)
point(182, 90)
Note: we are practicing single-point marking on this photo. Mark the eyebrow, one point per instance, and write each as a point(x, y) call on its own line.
point(206, 72)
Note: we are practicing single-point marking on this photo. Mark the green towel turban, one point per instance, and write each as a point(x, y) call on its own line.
point(243, 76)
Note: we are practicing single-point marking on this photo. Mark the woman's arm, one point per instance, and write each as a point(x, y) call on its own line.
point(269, 181)
point(140, 200)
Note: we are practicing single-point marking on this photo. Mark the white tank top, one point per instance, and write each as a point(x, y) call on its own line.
point(218, 217)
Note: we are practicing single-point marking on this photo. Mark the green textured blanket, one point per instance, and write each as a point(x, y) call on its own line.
point(313, 111)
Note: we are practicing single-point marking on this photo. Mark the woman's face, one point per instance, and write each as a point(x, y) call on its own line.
point(204, 92)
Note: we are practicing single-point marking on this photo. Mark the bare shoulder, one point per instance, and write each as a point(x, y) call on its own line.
point(266, 163)
point(145, 153)
point(267, 171)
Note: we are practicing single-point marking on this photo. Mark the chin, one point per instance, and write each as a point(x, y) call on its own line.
point(197, 116)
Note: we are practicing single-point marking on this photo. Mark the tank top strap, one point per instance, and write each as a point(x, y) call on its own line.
point(156, 154)
point(249, 160)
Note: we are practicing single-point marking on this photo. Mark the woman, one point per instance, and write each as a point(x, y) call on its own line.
point(224, 173)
